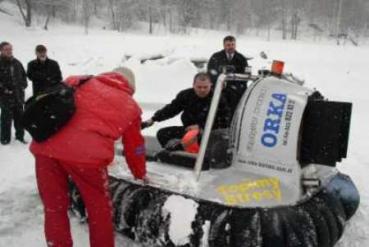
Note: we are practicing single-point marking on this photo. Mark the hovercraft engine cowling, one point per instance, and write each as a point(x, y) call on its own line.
point(281, 127)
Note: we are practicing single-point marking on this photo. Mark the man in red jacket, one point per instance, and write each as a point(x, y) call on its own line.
point(83, 149)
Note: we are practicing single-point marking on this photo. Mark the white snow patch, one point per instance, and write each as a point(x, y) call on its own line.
point(205, 237)
point(182, 213)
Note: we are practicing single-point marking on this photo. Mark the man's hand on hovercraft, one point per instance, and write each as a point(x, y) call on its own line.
point(147, 123)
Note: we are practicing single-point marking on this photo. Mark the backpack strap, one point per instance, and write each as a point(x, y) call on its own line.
point(83, 80)
point(75, 82)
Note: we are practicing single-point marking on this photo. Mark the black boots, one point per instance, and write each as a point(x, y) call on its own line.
point(6, 142)
point(21, 140)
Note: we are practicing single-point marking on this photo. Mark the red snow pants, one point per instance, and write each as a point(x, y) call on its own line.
point(52, 181)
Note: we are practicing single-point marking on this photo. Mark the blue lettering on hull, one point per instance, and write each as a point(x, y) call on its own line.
point(273, 121)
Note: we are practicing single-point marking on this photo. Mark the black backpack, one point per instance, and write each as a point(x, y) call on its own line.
point(46, 113)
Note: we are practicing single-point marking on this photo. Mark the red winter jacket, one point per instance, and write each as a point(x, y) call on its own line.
point(105, 112)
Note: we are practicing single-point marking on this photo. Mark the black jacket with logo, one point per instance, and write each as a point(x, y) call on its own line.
point(194, 110)
point(43, 74)
point(13, 81)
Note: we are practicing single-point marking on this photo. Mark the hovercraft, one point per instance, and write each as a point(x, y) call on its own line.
point(270, 180)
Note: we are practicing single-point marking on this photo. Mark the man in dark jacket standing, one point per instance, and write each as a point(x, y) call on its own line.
point(43, 72)
point(13, 82)
point(229, 57)
point(194, 103)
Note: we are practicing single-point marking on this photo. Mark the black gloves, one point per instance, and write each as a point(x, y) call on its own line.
point(147, 123)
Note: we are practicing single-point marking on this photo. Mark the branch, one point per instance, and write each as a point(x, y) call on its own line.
point(5, 12)
point(21, 10)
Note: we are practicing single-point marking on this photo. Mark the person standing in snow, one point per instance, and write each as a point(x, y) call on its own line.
point(13, 82)
point(229, 57)
point(194, 103)
point(43, 71)
point(83, 149)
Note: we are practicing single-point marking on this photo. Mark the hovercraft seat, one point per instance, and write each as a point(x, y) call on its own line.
point(216, 155)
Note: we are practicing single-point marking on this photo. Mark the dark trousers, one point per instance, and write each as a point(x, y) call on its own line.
point(168, 133)
point(8, 115)
point(233, 94)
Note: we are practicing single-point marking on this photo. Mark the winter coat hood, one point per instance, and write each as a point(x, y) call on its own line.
point(111, 79)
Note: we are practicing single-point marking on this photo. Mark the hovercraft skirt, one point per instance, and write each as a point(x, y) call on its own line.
point(317, 221)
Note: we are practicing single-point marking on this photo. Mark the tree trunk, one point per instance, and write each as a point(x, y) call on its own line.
point(170, 22)
point(86, 15)
point(49, 13)
point(150, 20)
point(164, 18)
point(53, 11)
point(284, 32)
point(5, 12)
point(95, 8)
point(27, 17)
point(113, 15)
point(284, 17)
point(294, 26)
point(338, 20)
point(29, 13)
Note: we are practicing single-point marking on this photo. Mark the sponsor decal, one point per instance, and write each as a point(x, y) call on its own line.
point(265, 165)
point(252, 135)
point(288, 120)
point(251, 191)
point(273, 121)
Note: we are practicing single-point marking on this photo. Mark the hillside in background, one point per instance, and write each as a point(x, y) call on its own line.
point(341, 20)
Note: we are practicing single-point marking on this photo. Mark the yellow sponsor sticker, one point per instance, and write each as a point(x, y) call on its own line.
point(251, 190)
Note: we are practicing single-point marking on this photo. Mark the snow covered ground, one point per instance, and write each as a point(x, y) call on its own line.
point(339, 72)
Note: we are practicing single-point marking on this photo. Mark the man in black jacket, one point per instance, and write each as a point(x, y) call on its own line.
point(194, 103)
point(229, 57)
point(43, 72)
point(13, 82)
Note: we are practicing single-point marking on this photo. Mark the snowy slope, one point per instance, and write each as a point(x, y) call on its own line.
point(339, 72)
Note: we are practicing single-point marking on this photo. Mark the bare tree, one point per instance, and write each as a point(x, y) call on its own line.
point(288, 16)
point(188, 12)
point(50, 7)
point(95, 4)
point(126, 14)
point(266, 13)
point(27, 14)
point(150, 20)
point(284, 18)
point(49, 13)
point(86, 14)
point(339, 17)
point(113, 12)
point(295, 21)
point(3, 10)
